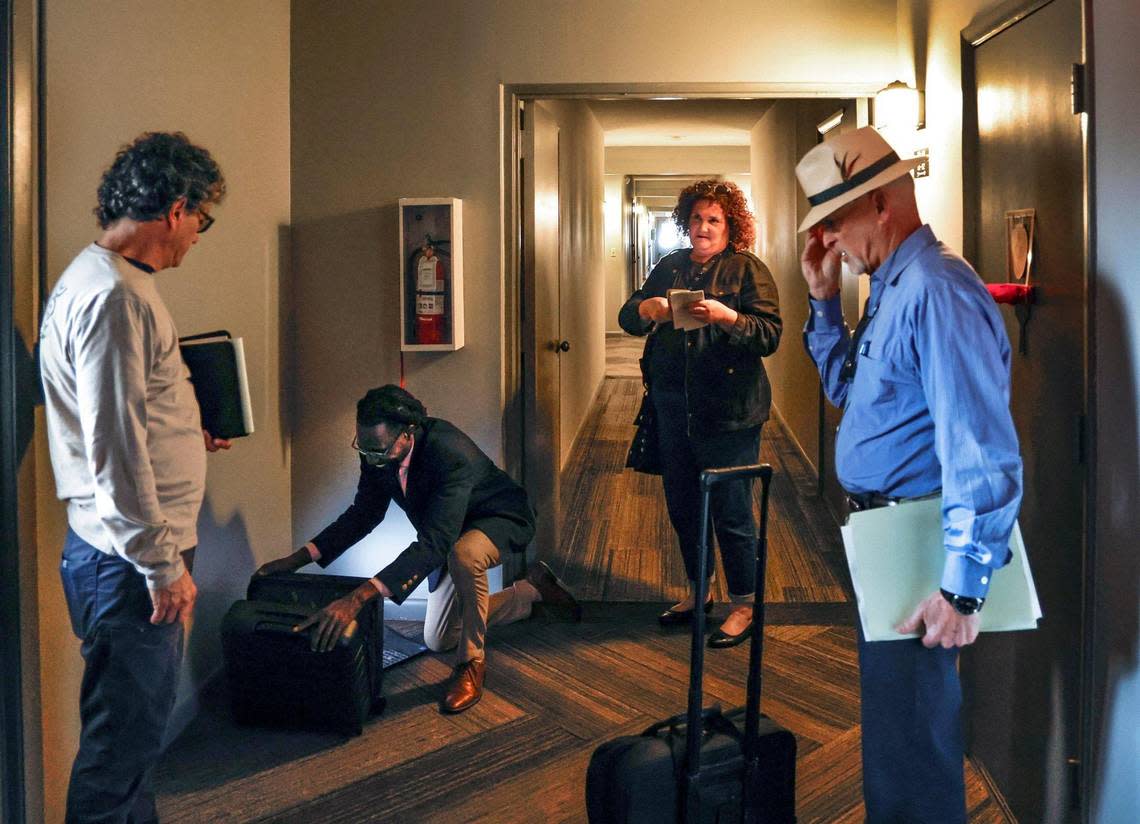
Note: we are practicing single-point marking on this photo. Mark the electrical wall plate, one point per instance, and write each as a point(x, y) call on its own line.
point(923, 168)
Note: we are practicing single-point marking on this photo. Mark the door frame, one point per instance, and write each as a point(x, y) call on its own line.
point(513, 275)
point(11, 688)
point(980, 30)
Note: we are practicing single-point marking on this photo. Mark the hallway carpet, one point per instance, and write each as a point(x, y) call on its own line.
point(617, 544)
point(554, 692)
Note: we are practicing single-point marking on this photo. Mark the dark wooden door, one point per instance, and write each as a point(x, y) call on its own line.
point(1026, 152)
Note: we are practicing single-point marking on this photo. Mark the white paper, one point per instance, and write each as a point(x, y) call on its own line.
point(679, 301)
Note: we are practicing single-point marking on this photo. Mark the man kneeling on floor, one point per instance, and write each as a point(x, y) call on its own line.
point(467, 514)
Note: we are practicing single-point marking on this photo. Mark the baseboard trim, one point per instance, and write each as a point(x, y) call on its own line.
point(775, 411)
point(993, 789)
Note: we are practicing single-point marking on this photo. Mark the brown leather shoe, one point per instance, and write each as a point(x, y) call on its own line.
point(552, 591)
point(466, 687)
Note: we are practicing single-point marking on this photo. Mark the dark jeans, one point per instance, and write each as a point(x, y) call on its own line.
point(127, 693)
point(912, 733)
point(682, 459)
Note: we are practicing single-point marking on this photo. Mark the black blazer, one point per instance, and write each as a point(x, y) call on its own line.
point(452, 487)
point(726, 386)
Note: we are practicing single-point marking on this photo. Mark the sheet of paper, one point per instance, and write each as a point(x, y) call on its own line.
point(679, 301)
point(896, 555)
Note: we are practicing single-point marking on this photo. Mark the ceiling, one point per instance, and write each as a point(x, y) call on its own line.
point(678, 122)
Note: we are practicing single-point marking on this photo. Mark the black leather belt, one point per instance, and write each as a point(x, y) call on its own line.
point(859, 501)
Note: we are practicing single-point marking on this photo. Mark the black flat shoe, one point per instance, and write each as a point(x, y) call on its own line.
point(674, 617)
point(721, 639)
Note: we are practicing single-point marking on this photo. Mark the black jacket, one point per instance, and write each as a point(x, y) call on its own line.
point(726, 387)
point(452, 487)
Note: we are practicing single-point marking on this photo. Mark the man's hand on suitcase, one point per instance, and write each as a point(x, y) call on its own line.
point(291, 562)
point(335, 619)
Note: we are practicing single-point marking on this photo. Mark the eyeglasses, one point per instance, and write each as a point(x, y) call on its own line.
point(205, 221)
point(378, 458)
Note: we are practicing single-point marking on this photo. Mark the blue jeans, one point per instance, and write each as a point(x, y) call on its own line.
point(912, 733)
point(683, 456)
point(127, 693)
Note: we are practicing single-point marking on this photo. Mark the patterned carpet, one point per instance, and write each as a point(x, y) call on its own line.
point(622, 354)
point(556, 690)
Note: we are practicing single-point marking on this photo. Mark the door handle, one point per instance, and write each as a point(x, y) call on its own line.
point(564, 346)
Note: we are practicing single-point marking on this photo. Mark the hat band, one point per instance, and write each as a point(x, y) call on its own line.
point(857, 179)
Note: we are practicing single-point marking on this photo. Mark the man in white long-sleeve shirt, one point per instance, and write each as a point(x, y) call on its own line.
point(127, 449)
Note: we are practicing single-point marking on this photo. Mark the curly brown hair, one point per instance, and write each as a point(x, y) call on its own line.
point(153, 172)
point(741, 223)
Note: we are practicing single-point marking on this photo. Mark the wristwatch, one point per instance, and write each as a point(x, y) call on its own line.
point(963, 604)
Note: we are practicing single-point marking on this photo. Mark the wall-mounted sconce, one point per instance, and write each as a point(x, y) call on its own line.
point(900, 106)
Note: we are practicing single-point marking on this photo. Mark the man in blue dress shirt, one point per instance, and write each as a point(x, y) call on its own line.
point(924, 385)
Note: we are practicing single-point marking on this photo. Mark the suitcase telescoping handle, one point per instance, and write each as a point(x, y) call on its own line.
point(709, 478)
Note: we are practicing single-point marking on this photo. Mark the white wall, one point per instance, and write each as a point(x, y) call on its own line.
point(220, 72)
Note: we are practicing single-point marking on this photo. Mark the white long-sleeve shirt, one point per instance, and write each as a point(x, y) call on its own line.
point(123, 423)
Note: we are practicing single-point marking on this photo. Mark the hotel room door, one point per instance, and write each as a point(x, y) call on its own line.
point(1025, 150)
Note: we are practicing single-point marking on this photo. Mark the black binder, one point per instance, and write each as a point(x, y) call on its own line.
point(217, 370)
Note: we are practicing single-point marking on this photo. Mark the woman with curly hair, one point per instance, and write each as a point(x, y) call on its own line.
point(708, 385)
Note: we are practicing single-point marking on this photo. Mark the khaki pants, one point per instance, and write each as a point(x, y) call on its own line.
point(460, 609)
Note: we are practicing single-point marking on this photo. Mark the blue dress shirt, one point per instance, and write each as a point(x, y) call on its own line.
point(929, 404)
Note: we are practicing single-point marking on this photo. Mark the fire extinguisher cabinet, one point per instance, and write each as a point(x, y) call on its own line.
point(431, 274)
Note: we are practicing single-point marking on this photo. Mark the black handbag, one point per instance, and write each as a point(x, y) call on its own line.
point(645, 451)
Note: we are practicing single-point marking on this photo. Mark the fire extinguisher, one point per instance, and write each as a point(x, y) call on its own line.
point(431, 287)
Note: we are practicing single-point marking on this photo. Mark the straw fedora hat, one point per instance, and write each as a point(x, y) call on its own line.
point(839, 170)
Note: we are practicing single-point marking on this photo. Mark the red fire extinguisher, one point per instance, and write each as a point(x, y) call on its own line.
point(430, 295)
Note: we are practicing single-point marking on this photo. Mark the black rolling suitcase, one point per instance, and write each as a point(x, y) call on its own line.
point(315, 591)
point(704, 766)
point(273, 676)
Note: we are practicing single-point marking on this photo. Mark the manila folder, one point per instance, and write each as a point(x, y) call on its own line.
point(896, 555)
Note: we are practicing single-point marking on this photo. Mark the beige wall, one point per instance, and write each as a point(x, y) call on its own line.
point(775, 193)
point(218, 71)
point(378, 113)
point(930, 51)
point(616, 265)
point(581, 190)
point(676, 160)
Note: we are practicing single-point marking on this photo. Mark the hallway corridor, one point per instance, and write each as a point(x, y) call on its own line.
point(555, 690)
